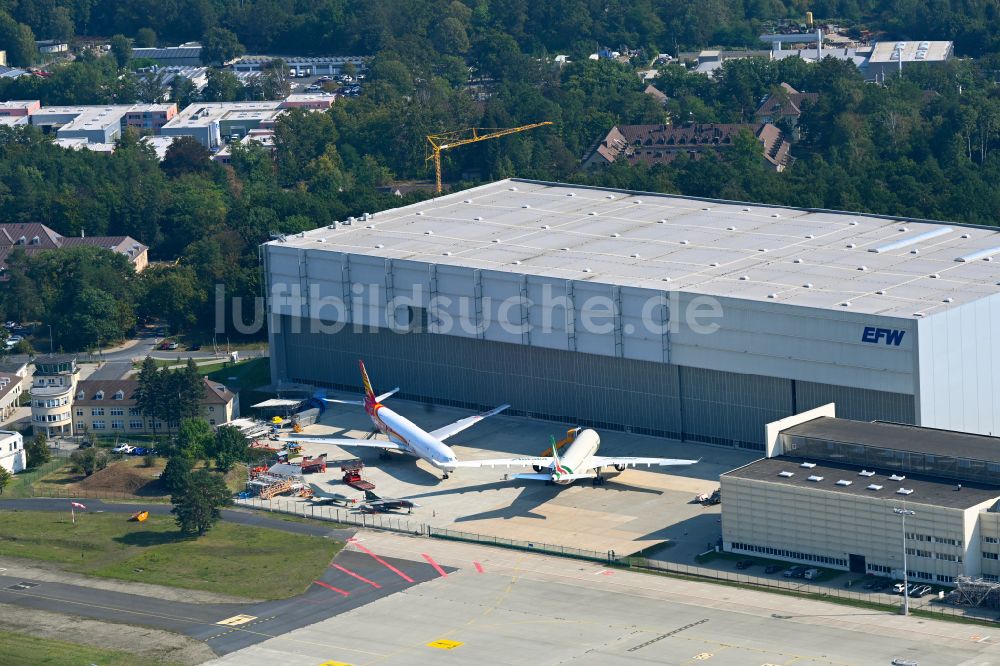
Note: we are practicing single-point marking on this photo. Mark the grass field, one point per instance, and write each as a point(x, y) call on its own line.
point(244, 377)
point(232, 559)
point(24, 650)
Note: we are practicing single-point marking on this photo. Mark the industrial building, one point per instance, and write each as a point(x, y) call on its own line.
point(209, 122)
point(828, 492)
point(664, 315)
point(172, 56)
point(300, 65)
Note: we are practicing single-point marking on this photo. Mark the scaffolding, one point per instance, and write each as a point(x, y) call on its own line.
point(976, 592)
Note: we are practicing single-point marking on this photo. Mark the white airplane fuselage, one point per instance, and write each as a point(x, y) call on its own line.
point(576, 456)
point(417, 441)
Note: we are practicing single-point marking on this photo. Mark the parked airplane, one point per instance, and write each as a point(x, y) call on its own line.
point(579, 461)
point(404, 436)
point(321, 496)
point(383, 504)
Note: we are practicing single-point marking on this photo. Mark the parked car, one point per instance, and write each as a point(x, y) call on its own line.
point(314, 88)
point(172, 345)
point(139, 451)
point(772, 568)
point(744, 564)
point(194, 347)
point(921, 591)
point(810, 574)
point(123, 448)
point(797, 571)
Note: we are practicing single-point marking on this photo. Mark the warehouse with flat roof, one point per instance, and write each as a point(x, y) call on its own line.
point(664, 315)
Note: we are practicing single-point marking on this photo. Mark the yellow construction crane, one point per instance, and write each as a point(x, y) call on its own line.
point(458, 138)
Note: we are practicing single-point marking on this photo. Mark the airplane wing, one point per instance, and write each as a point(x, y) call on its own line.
point(344, 402)
point(380, 398)
point(392, 446)
point(608, 461)
point(460, 425)
point(548, 477)
point(504, 462)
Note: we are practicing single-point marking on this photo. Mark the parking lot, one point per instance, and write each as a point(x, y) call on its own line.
point(635, 509)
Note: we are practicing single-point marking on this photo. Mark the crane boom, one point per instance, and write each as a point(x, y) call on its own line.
point(448, 140)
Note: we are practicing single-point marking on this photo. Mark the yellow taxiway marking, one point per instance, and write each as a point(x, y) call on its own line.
point(334, 663)
point(445, 644)
point(237, 620)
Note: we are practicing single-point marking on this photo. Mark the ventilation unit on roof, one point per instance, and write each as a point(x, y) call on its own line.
point(815, 478)
point(897, 477)
point(865, 472)
point(874, 486)
point(785, 474)
point(905, 491)
point(844, 482)
point(808, 465)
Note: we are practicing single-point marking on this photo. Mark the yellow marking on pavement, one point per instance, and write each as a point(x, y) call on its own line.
point(237, 620)
point(704, 656)
point(334, 663)
point(445, 644)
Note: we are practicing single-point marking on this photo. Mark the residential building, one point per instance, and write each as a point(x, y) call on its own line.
point(175, 56)
point(785, 105)
point(35, 237)
point(52, 388)
point(10, 394)
point(12, 455)
point(829, 491)
point(109, 407)
point(662, 144)
point(656, 94)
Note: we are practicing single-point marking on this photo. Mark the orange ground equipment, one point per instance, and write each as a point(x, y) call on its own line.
point(139, 516)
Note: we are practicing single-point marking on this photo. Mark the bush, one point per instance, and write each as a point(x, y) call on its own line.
point(88, 461)
point(37, 451)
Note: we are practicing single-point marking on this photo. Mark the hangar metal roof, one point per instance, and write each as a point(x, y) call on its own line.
point(870, 483)
point(816, 258)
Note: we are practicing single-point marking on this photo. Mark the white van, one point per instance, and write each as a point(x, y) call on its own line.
point(810, 574)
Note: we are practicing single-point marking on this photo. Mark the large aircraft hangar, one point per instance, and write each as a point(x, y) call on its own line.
point(663, 315)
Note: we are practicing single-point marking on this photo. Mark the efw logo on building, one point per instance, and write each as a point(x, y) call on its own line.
point(893, 337)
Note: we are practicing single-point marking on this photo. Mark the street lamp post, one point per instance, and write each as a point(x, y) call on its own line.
point(50, 340)
point(903, 513)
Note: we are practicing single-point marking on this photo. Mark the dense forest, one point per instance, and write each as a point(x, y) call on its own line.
point(921, 145)
point(428, 29)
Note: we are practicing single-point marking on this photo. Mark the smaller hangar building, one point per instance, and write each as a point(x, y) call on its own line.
point(827, 495)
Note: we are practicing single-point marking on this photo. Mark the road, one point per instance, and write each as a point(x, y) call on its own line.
point(145, 345)
point(353, 579)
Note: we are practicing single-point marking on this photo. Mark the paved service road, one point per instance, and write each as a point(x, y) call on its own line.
point(353, 579)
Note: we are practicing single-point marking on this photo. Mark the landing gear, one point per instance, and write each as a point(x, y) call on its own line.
point(445, 476)
point(598, 480)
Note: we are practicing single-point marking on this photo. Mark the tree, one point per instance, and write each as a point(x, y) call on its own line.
point(219, 46)
point(61, 25)
point(149, 395)
point(198, 506)
point(121, 49)
point(190, 390)
point(172, 293)
point(230, 447)
point(186, 155)
point(176, 474)
point(37, 450)
point(194, 439)
point(5, 478)
point(145, 38)
point(18, 40)
point(222, 86)
point(88, 461)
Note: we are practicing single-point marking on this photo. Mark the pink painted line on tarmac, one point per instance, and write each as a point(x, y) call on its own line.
point(383, 562)
point(358, 576)
point(437, 567)
point(331, 587)
point(479, 567)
